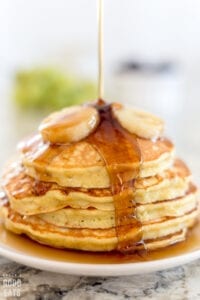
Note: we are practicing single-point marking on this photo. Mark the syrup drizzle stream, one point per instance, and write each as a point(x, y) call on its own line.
point(122, 156)
point(119, 150)
point(100, 50)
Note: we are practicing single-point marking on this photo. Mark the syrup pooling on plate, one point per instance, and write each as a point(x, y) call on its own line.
point(29, 247)
point(122, 157)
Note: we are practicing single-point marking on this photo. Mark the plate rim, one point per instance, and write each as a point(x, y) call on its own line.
point(102, 270)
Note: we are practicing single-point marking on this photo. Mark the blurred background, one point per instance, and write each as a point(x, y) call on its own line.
point(48, 59)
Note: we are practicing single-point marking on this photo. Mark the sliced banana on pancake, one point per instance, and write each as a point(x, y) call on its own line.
point(138, 122)
point(69, 125)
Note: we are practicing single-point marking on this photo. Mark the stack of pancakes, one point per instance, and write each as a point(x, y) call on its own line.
point(61, 195)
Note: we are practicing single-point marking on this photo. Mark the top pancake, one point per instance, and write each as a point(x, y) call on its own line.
point(80, 164)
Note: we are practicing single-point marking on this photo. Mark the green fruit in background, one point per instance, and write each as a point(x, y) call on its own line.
point(50, 89)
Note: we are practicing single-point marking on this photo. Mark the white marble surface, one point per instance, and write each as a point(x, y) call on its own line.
point(179, 283)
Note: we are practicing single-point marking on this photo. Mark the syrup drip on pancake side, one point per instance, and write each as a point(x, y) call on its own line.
point(122, 156)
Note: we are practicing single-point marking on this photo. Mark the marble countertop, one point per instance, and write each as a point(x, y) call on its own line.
point(178, 283)
point(181, 283)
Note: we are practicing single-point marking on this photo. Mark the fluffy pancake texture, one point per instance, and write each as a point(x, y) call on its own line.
point(28, 196)
point(62, 195)
point(155, 235)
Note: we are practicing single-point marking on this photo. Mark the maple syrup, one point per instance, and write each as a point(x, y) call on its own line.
point(122, 157)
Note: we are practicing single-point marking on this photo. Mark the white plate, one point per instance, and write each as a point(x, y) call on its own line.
point(96, 269)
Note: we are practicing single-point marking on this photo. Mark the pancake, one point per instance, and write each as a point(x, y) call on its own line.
point(94, 218)
point(169, 184)
point(80, 165)
point(29, 196)
point(159, 234)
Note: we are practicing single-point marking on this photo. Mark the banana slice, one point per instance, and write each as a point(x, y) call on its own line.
point(138, 122)
point(69, 125)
